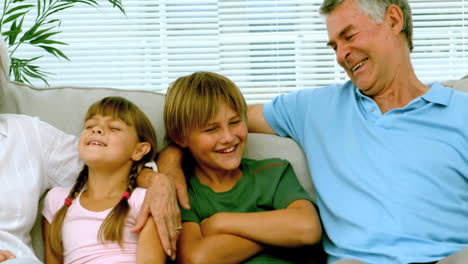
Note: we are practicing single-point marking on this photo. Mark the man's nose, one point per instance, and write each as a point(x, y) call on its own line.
point(342, 53)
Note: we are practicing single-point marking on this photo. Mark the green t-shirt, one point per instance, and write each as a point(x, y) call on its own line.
point(265, 185)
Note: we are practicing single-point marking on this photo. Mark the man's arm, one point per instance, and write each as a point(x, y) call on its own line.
point(161, 198)
point(170, 163)
point(160, 202)
point(194, 247)
point(256, 120)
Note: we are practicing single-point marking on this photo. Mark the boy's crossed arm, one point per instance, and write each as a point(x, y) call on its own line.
point(235, 237)
point(195, 247)
point(296, 225)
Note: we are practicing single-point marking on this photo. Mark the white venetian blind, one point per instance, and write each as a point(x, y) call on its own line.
point(267, 47)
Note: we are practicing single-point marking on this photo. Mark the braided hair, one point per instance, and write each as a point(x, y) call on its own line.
point(112, 227)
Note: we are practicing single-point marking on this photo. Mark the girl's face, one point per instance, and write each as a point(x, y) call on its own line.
point(220, 144)
point(108, 142)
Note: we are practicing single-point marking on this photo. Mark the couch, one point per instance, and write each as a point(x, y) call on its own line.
point(64, 107)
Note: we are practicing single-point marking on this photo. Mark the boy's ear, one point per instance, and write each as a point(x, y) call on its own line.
point(180, 141)
point(141, 150)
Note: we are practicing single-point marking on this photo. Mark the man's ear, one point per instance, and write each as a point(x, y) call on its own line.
point(141, 150)
point(395, 18)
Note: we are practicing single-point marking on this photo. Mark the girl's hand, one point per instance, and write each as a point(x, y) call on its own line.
point(6, 255)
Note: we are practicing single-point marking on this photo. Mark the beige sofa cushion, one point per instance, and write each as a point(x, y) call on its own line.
point(64, 107)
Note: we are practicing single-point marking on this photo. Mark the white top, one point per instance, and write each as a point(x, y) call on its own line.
point(81, 227)
point(34, 157)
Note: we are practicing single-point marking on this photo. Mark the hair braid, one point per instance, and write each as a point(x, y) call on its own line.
point(112, 228)
point(55, 233)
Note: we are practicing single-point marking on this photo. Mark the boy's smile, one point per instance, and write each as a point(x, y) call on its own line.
point(220, 144)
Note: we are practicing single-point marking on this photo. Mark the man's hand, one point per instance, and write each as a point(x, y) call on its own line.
point(161, 202)
point(169, 162)
point(161, 199)
point(177, 175)
point(6, 255)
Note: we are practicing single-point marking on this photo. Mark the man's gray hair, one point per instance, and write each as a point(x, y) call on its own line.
point(375, 9)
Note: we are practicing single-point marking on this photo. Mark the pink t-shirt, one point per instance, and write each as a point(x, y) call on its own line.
point(81, 226)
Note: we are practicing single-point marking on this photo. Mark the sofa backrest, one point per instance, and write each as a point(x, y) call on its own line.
point(64, 107)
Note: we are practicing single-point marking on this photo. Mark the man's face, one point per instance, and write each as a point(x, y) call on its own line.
point(362, 47)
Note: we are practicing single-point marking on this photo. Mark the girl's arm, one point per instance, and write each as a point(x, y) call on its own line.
point(296, 225)
point(195, 248)
point(149, 248)
point(49, 256)
point(163, 192)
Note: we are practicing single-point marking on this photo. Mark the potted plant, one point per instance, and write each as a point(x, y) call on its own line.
point(40, 34)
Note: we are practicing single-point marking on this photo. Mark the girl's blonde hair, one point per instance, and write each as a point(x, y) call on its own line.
point(191, 101)
point(112, 228)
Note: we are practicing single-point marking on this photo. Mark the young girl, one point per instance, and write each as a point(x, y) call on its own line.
point(91, 222)
point(241, 209)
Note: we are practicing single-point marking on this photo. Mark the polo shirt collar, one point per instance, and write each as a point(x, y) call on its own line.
point(438, 94)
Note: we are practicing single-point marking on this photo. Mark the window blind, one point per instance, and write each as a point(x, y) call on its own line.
point(267, 47)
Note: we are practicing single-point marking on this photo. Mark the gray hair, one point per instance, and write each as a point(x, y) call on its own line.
point(375, 9)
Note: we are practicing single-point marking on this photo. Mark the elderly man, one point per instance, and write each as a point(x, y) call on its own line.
point(388, 154)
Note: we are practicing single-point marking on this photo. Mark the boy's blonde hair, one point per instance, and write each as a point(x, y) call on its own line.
point(112, 228)
point(191, 101)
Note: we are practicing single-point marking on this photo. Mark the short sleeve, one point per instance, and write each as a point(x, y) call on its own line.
point(288, 189)
point(53, 201)
point(280, 113)
point(60, 155)
point(136, 200)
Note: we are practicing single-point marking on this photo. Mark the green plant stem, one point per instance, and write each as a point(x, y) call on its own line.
point(16, 47)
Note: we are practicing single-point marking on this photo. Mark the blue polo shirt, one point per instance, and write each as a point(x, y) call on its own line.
point(391, 188)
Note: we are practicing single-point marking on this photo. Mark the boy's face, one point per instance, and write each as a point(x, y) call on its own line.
point(219, 145)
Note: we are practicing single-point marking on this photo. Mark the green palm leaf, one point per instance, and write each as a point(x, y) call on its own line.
point(39, 34)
